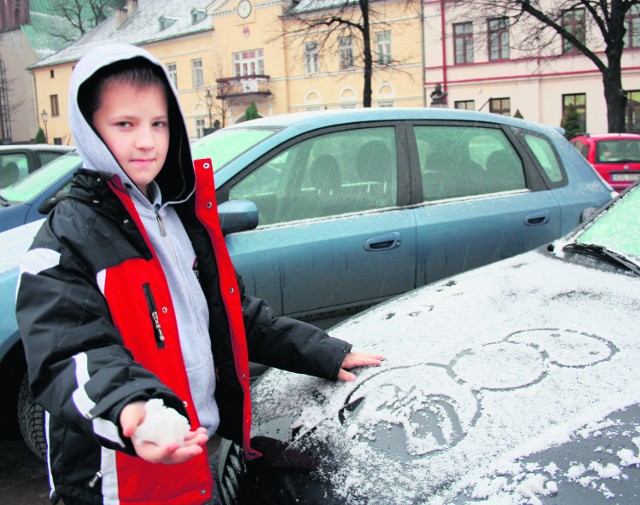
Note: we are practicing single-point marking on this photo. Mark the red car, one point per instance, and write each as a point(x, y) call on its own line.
point(616, 156)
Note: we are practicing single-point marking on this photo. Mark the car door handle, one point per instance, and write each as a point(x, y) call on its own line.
point(537, 218)
point(383, 242)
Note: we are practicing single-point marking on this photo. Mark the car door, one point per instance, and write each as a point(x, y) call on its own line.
point(331, 237)
point(478, 204)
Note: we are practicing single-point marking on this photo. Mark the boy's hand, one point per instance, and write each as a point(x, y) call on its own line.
point(133, 415)
point(356, 359)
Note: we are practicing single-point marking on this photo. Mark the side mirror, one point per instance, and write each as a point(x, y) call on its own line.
point(49, 204)
point(237, 215)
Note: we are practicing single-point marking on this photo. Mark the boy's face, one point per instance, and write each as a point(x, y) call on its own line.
point(134, 123)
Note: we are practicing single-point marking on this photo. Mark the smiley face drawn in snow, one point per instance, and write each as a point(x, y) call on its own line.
point(432, 415)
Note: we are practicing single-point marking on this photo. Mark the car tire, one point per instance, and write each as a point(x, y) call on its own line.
point(31, 421)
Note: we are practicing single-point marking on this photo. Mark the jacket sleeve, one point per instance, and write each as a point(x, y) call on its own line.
point(79, 370)
point(290, 344)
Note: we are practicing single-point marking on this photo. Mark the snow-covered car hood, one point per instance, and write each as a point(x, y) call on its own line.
point(487, 377)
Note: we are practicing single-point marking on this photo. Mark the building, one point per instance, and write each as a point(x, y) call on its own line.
point(481, 63)
point(282, 56)
point(177, 32)
point(29, 32)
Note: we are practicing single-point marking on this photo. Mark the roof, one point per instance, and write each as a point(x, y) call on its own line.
point(40, 31)
point(141, 27)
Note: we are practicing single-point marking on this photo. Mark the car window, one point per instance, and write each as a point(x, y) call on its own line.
point(330, 174)
point(546, 156)
point(581, 147)
point(618, 151)
point(224, 145)
point(460, 161)
point(38, 181)
point(46, 157)
point(617, 229)
point(13, 167)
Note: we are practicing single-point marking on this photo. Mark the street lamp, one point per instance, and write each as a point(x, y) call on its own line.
point(44, 117)
point(209, 98)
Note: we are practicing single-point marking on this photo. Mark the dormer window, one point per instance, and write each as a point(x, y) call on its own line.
point(197, 15)
point(166, 22)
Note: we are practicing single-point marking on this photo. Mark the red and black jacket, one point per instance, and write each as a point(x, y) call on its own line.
point(97, 322)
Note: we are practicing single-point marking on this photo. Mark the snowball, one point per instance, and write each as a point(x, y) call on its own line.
point(162, 425)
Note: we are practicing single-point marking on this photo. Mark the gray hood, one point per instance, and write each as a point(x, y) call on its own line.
point(94, 152)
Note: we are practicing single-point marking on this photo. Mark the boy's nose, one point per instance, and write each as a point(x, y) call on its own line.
point(144, 139)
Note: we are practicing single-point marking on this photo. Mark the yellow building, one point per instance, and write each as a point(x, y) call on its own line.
point(266, 55)
point(178, 33)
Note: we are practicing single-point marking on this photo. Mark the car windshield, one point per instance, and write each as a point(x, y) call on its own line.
point(35, 183)
point(618, 151)
point(615, 231)
point(224, 145)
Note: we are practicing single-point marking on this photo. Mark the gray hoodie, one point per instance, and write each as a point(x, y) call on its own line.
point(174, 184)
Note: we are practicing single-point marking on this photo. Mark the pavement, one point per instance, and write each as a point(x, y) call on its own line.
point(23, 477)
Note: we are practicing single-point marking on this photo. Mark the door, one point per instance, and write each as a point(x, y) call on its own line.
point(330, 237)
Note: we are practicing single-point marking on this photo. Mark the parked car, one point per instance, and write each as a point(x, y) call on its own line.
point(19, 160)
point(326, 214)
point(616, 156)
point(32, 197)
point(512, 383)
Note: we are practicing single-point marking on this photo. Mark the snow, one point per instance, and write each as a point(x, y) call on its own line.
point(481, 372)
point(162, 425)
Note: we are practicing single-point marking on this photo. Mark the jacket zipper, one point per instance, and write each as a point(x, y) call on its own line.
point(96, 478)
point(153, 312)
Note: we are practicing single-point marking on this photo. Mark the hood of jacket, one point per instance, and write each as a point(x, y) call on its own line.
point(176, 179)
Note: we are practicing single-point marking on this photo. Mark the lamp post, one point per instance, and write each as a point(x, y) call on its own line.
point(44, 117)
point(209, 98)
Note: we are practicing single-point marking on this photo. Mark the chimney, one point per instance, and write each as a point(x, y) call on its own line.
point(126, 12)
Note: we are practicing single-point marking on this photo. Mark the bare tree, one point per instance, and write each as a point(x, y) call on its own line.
point(343, 18)
point(82, 16)
point(539, 20)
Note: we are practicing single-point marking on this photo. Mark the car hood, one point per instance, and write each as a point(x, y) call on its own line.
point(515, 382)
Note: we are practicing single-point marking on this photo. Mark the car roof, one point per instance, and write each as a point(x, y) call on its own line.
point(36, 147)
point(607, 136)
point(317, 119)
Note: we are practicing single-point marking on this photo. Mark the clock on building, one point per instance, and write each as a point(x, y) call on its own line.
point(244, 8)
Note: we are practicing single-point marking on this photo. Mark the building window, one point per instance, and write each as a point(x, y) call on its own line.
point(248, 63)
point(632, 112)
point(383, 47)
point(465, 104)
point(310, 58)
point(52, 73)
point(346, 52)
point(197, 15)
point(463, 42)
point(498, 39)
point(632, 25)
point(172, 69)
point(196, 70)
point(579, 101)
point(200, 125)
point(573, 21)
point(55, 110)
point(166, 22)
point(500, 106)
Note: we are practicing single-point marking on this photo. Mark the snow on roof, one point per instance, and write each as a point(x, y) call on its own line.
point(141, 27)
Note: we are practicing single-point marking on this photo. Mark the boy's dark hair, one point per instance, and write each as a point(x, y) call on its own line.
point(137, 71)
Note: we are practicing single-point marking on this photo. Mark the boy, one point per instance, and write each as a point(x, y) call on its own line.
point(128, 294)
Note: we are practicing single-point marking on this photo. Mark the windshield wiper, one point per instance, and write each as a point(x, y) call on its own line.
point(4, 202)
point(601, 252)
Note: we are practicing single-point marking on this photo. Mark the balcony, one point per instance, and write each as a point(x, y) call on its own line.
point(245, 86)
